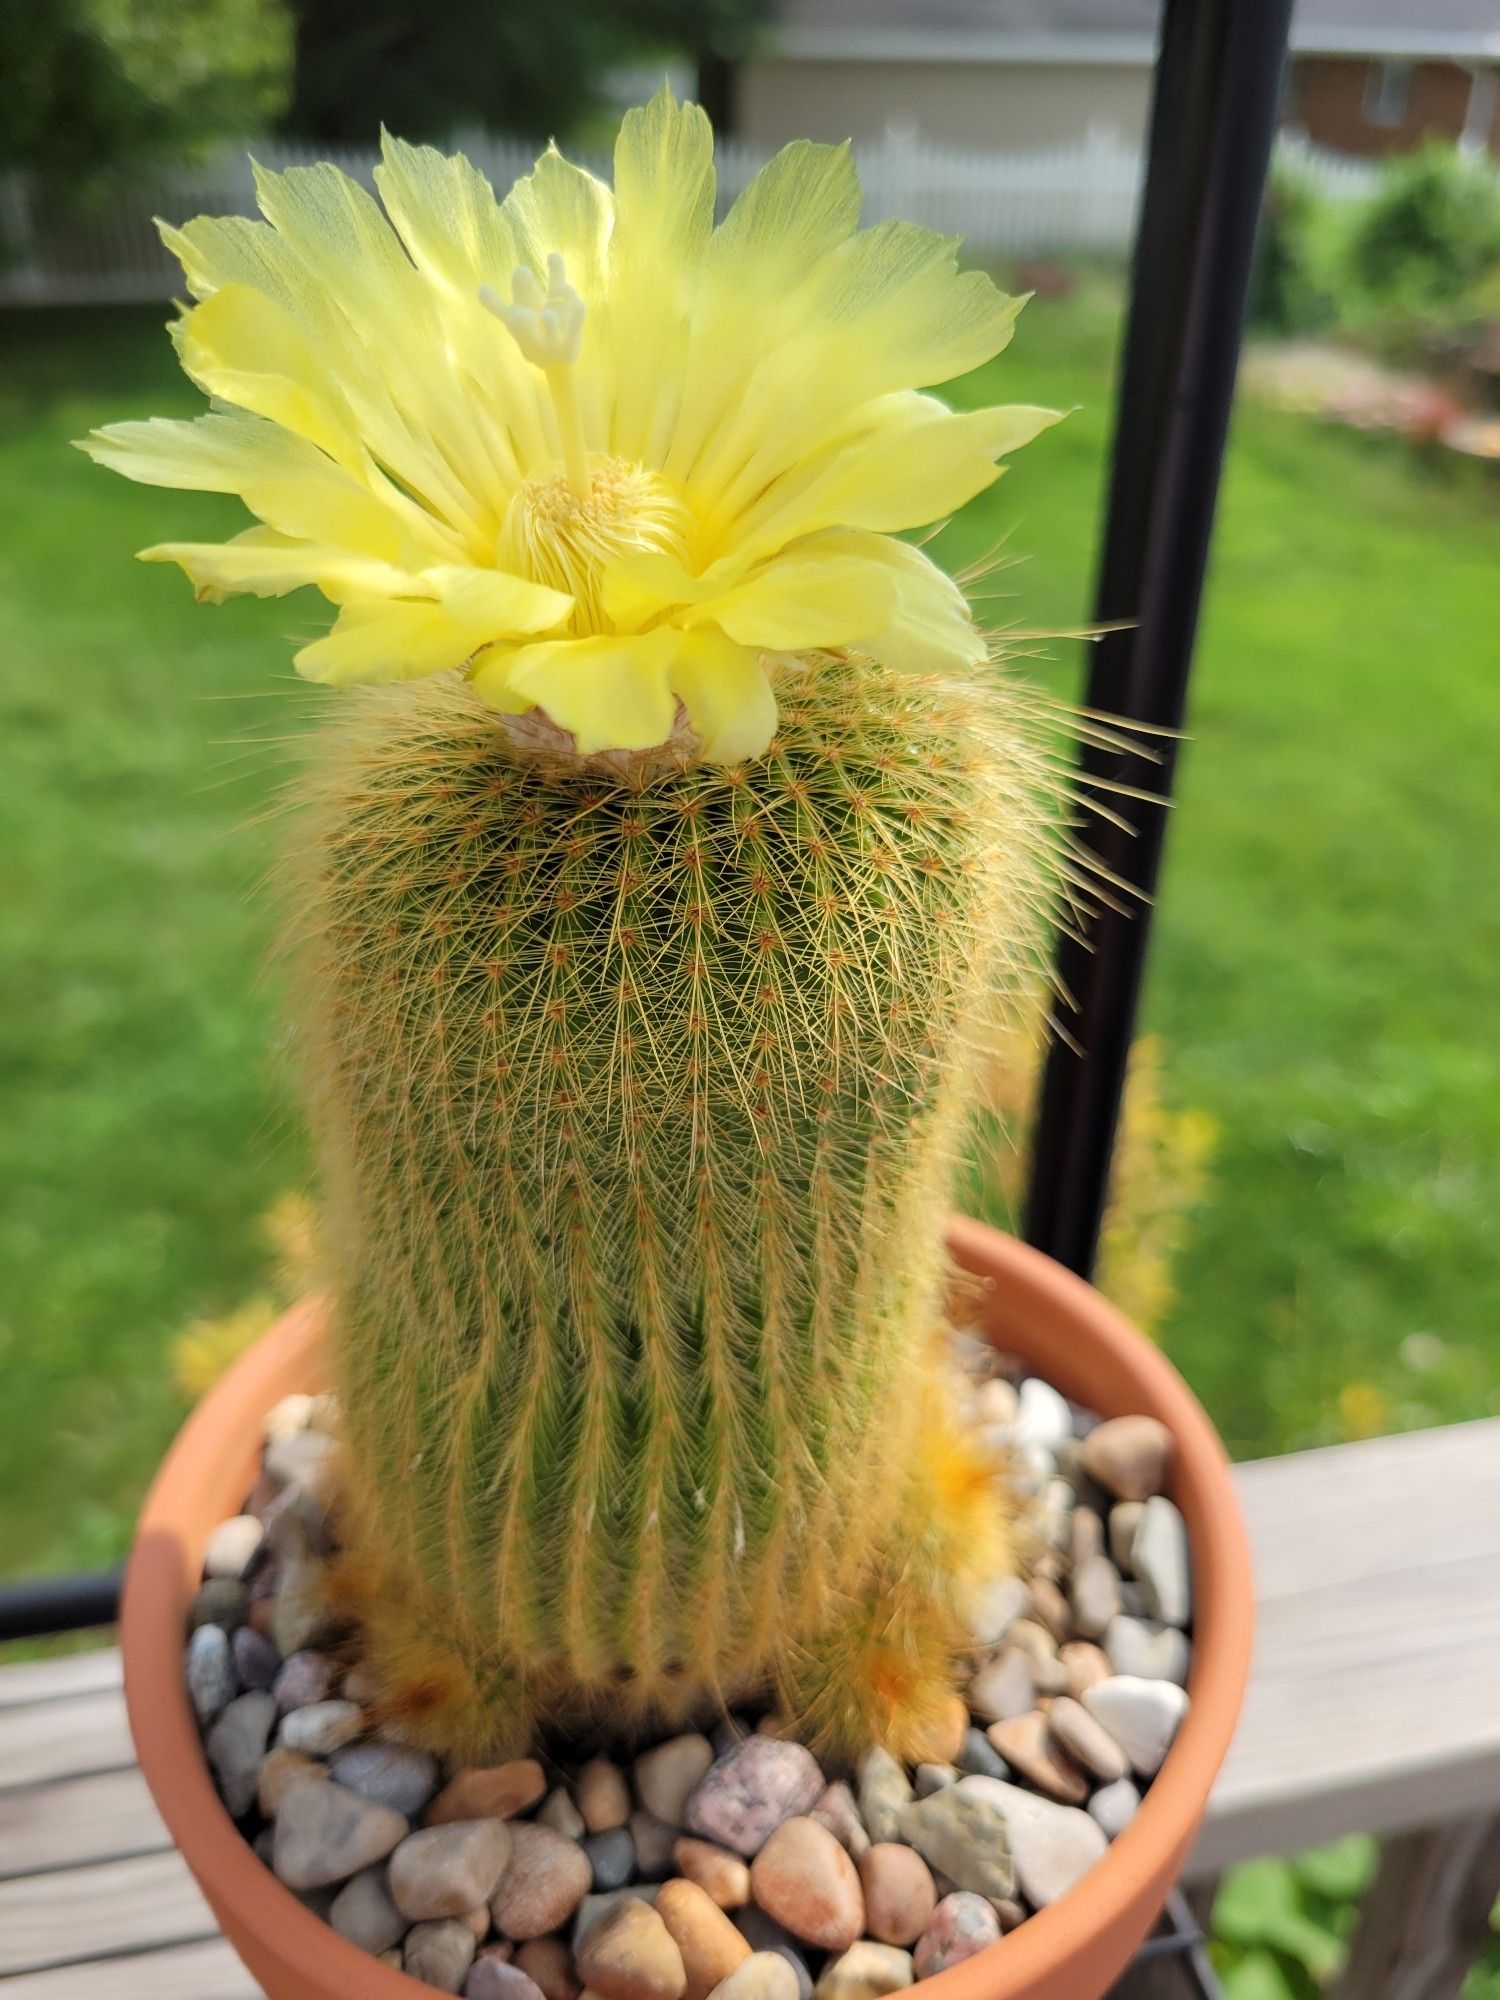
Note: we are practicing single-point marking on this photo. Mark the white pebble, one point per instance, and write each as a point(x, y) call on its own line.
point(1142, 1716)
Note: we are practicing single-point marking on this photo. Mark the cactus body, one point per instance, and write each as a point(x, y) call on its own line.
point(637, 1101)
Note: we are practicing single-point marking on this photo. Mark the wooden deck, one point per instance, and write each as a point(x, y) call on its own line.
point(1373, 1709)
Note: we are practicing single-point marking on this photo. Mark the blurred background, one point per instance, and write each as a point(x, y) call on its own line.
point(1306, 1193)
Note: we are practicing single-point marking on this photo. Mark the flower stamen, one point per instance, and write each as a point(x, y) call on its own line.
point(548, 329)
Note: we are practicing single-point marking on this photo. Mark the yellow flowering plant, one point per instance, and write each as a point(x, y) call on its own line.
point(612, 462)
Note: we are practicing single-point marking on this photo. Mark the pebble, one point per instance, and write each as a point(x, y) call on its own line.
point(942, 1735)
point(1003, 1687)
point(221, 1601)
point(235, 1746)
point(1026, 1744)
point(324, 1834)
point(1085, 1536)
point(297, 1523)
point(611, 1858)
point(1163, 1565)
point(837, 1810)
point(631, 1955)
point(930, 1778)
point(1051, 1845)
point(1084, 1666)
point(549, 1963)
point(996, 1402)
point(277, 1772)
point(391, 1773)
point(979, 1758)
point(1051, 1610)
point(962, 1833)
point(211, 1677)
point(439, 1954)
point(900, 1896)
point(764, 1934)
point(1148, 1650)
point(996, 1609)
point(763, 1975)
point(667, 1777)
point(1124, 1526)
point(603, 1795)
point(865, 1971)
point(305, 1679)
point(363, 1912)
point(256, 1660)
point(545, 1880)
point(322, 1727)
point(1042, 1415)
point(445, 1871)
point(559, 1812)
point(654, 1841)
point(1129, 1457)
point(1094, 1595)
point(594, 1909)
point(492, 1977)
point(805, 1880)
point(286, 1418)
point(1115, 1806)
point(1142, 1716)
point(303, 1458)
point(490, 1791)
point(885, 1792)
point(961, 1925)
point(300, 1614)
point(1086, 1741)
point(720, 1874)
point(752, 1790)
point(710, 1945)
point(1040, 1650)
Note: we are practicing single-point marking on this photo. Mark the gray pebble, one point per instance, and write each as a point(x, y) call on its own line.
point(321, 1727)
point(324, 1834)
point(885, 1791)
point(1004, 1687)
point(763, 1933)
point(654, 1841)
point(211, 1677)
point(559, 1812)
point(363, 1912)
point(1052, 1845)
point(964, 1833)
point(1124, 1524)
point(1095, 1596)
point(1147, 1649)
point(1000, 1604)
point(1114, 1807)
point(980, 1759)
point(1163, 1562)
point(256, 1659)
point(305, 1679)
point(390, 1773)
point(594, 1908)
point(747, 1794)
point(440, 1954)
point(220, 1601)
point(235, 1747)
point(233, 1547)
point(611, 1858)
point(930, 1778)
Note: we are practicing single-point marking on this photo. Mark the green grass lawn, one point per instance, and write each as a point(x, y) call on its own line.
point(1328, 950)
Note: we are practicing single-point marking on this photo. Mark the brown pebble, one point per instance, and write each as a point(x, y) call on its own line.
point(1087, 1742)
point(549, 1963)
point(900, 1895)
point(1084, 1665)
point(805, 1880)
point(631, 1955)
point(1129, 1457)
point(711, 1947)
point(603, 1795)
point(489, 1791)
point(1050, 1608)
point(722, 1875)
point(1025, 1742)
point(546, 1879)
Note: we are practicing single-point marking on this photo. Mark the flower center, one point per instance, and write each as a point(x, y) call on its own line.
point(554, 536)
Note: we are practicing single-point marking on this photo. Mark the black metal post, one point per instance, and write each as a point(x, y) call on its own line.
point(1213, 121)
point(59, 1604)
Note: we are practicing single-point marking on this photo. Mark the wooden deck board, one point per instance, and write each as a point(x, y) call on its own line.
point(1371, 1709)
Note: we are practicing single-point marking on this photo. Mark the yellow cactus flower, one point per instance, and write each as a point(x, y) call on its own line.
point(608, 460)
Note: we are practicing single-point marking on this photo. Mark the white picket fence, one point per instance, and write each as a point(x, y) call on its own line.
point(1079, 199)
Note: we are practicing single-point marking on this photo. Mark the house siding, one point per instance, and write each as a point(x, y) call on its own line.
point(1330, 95)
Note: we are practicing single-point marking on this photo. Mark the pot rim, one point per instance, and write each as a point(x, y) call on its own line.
point(1018, 1283)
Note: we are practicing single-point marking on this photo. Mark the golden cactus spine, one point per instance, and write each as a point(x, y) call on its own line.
point(637, 1105)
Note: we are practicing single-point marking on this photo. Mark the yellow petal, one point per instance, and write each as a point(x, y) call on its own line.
point(928, 627)
point(493, 604)
point(805, 598)
point(447, 216)
point(399, 640)
point(288, 482)
point(664, 211)
point(612, 693)
point(244, 348)
point(261, 563)
point(727, 695)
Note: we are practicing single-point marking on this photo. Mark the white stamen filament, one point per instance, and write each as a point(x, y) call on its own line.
point(548, 329)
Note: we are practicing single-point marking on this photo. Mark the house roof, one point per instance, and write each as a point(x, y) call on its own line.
point(1113, 30)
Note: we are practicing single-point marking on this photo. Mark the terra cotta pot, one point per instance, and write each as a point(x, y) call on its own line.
point(1073, 1950)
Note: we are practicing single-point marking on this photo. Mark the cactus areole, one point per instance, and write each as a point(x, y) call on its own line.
point(660, 880)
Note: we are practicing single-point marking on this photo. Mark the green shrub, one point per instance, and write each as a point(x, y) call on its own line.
point(1291, 291)
point(1421, 257)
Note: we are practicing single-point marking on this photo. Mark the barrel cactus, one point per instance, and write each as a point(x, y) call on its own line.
point(653, 915)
